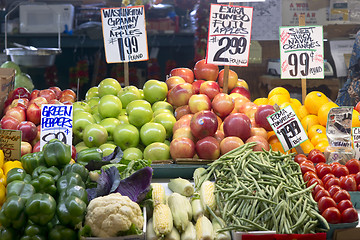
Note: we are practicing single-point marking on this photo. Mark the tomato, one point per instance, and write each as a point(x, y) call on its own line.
point(323, 170)
point(305, 167)
point(334, 164)
point(320, 194)
point(299, 158)
point(325, 202)
point(325, 178)
point(316, 189)
point(341, 195)
point(332, 215)
point(316, 156)
point(333, 189)
point(320, 165)
point(349, 215)
point(353, 165)
point(314, 180)
point(344, 204)
point(308, 175)
point(357, 178)
point(340, 170)
point(332, 181)
point(348, 183)
point(358, 187)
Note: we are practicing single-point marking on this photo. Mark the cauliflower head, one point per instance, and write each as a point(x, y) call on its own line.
point(111, 214)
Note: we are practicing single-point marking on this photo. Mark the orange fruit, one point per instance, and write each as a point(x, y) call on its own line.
point(318, 138)
point(272, 139)
point(276, 146)
point(316, 129)
point(308, 121)
point(314, 100)
point(324, 112)
point(302, 112)
point(279, 91)
point(270, 133)
point(278, 99)
point(293, 106)
point(322, 145)
point(355, 119)
point(261, 101)
point(307, 146)
point(295, 102)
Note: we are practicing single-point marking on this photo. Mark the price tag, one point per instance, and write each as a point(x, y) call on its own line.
point(287, 128)
point(229, 35)
point(10, 143)
point(56, 122)
point(124, 34)
point(302, 52)
point(356, 141)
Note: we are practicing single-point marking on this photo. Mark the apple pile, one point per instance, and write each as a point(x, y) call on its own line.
point(209, 121)
point(22, 111)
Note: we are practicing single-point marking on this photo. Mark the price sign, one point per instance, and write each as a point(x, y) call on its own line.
point(356, 141)
point(124, 34)
point(287, 128)
point(229, 35)
point(10, 143)
point(302, 52)
point(56, 122)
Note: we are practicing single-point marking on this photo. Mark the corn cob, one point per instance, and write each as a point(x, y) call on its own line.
point(150, 233)
point(158, 194)
point(204, 229)
point(181, 186)
point(218, 224)
point(181, 210)
point(207, 195)
point(197, 208)
point(199, 177)
point(162, 220)
point(190, 232)
point(173, 235)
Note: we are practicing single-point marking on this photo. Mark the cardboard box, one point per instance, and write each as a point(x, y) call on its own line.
point(346, 234)
point(7, 78)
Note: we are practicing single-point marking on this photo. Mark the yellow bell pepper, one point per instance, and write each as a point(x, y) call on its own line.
point(2, 194)
point(2, 177)
point(2, 157)
point(10, 165)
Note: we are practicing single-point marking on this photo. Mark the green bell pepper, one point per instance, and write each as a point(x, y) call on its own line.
point(20, 188)
point(8, 234)
point(60, 232)
point(90, 154)
point(40, 208)
point(77, 168)
point(12, 212)
point(31, 161)
point(71, 178)
point(45, 183)
point(56, 153)
point(74, 190)
point(53, 171)
point(71, 211)
point(34, 232)
point(17, 174)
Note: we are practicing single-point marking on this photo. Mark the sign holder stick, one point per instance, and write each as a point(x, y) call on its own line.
point(226, 75)
point(126, 73)
point(303, 80)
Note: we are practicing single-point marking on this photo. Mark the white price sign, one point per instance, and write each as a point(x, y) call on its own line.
point(124, 34)
point(356, 141)
point(56, 122)
point(287, 128)
point(302, 52)
point(229, 35)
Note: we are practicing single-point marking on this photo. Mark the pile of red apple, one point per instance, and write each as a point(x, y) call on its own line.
point(22, 111)
point(209, 121)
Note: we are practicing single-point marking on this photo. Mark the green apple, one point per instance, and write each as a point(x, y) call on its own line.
point(142, 94)
point(162, 105)
point(157, 151)
point(107, 148)
point(159, 111)
point(81, 106)
point(123, 119)
point(80, 146)
point(152, 132)
point(93, 101)
point(126, 136)
point(98, 118)
point(94, 109)
point(139, 112)
point(94, 135)
point(167, 142)
point(167, 120)
point(123, 112)
point(109, 106)
point(155, 90)
point(80, 121)
point(132, 154)
point(128, 94)
point(92, 92)
point(110, 124)
point(109, 86)
point(10, 64)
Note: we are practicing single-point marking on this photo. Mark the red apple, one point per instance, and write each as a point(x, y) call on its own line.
point(182, 148)
point(222, 105)
point(48, 94)
point(249, 108)
point(197, 85)
point(242, 83)
point(21, 102)
point(232, 79)
point(57, 91)
point(28, 131)
point(33, 113)
point(181, 111)
point(9, 122)
point(173, 81)
point(55, 101)
point(180, 94)
point(67, 99)
point(68, 92)
point(238, 125)
point(239, 101)
point(261, 143)
point(186, 73)
point(242, 91)
point(184, 132)
point(210, 88)
point(73, 152)
point(258, 131)
point(229, 143)
point(219, 135)
point(184, 121)
point(357, 107)
point(37, 138)
point(36, 147)
point(219, 121)
point(203, 124)
point(261, 115)
point(206, 71)
point(208, 148)
point(17, 112)
point(19, 92)
point(25, 148)
point(38, 100)
point(199, 102)
point(34, 94)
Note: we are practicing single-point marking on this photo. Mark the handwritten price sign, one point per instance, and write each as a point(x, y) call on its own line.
point(10, 143)
point(302, 52)
point(124, 34)
point(229, 35)
point(56, 122)
point(287, 128)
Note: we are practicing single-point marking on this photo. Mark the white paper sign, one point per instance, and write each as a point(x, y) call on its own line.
point(287, 128)
point(356, 141)
point(229, 35)
point(56, 122)
point(302, 52)
point(124, 34)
